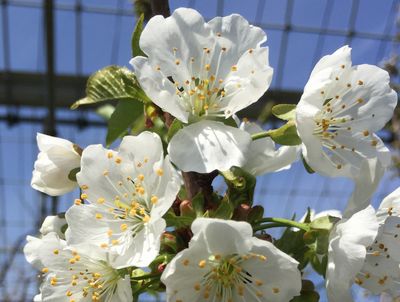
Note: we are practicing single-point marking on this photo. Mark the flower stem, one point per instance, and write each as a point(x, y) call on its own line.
point(280, 221)
point(148, 276)
point(260, 135)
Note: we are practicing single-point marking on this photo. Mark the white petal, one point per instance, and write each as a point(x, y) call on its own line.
point(390, 203)
point(185, 31)
point(347, 252)
point(31, 251)
point(46, 142)
point(160, 90)
point(206, 146)
point(338, 58)
point(285, 281)
point(246, 85)
point(123, 292)
point(366, 183)
point(208, 232)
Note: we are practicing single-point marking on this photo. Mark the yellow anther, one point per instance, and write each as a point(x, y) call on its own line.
point(374, 143)
point(212, 78)
point(118, 160)
point(206, 295)
point(77, 202)
point(56, 252)
point(160, 172)
point(343, 66)
point(202, 263)
point(110, 154)
point(72, 261)
point(84, 196)
point(177, 62)
point(69, 293)
point(360, 82)
point(141, 177)
point(123, 227)
point(115, 242)
point(197, 287)
point(140, 190)
point(53, 281)
point(259, 282)
point(339, 166)
point(105, 172)
point(146, 218)
point(84, 187)
point(207, 67)
point(366, 133)
point(251, 50)
point(98, 216)
point(275, 290)
point(103, 245)
point(262, 258)
point(101, 200)
point(154, 199)
point(360, 101)
point(109, 233)
point(45, 270)
point(234, 68)
point(217, 257)
point(205, 107)
point(259, 294)
point(158, 68)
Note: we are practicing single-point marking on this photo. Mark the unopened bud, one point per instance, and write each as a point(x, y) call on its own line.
point(186, 208)
point(256, 213)
point(161, 267)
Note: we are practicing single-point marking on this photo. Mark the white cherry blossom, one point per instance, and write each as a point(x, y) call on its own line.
point(381, 271)
point(53, 224)
point(57, 158)
point(71, 275)
point(203, 71)
point(226, 263)
point(128, 191)
point(339, 112)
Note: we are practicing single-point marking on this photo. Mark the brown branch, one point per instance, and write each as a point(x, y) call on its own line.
point(160, 7)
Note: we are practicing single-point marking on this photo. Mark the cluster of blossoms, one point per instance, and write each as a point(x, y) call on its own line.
point(140, 225)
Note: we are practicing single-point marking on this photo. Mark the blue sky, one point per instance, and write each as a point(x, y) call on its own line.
point(106, 40)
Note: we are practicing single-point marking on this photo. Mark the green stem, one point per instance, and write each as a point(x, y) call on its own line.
point(260, 135)
point(144, 277)
point(284, 222)
point(267, 226)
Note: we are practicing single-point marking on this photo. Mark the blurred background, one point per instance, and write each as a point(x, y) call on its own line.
point(48, 48)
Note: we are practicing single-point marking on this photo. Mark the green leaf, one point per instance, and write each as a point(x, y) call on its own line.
point(284, 111)
point(123, 117)
point(174, 128)
point(112, 83)
point(286, 135)
point(136, 51)
point(306, 166)
point(105, 111)
point(72, 174)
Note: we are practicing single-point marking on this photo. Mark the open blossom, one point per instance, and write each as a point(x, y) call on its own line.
point(72, 275)
point(128, 191)
point(263, 156)
point(203, 71)
point(381, 270)
point(224, 261)
point(347, 252)
point(57, 158)
point(341, 108)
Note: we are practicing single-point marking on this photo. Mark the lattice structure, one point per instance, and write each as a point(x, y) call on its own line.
point(44, 64)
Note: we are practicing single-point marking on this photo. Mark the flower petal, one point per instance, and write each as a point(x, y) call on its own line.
point(347, 252)
point(207, 145)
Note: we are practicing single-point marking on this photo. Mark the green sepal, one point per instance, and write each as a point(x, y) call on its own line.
point(112, 83)
point(324, 223)
point(198, 204)
point(136, 51)
point(174, 128)
point(285, 135)
point(125, 114)
point(319, 263)
point(256, 213)
point(224, 210)
point(178, 221)
point(285, 112)
point(308, 293)
point(306, 165)
point(72, 174)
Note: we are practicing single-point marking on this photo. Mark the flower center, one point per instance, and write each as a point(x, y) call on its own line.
point(226, 277)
